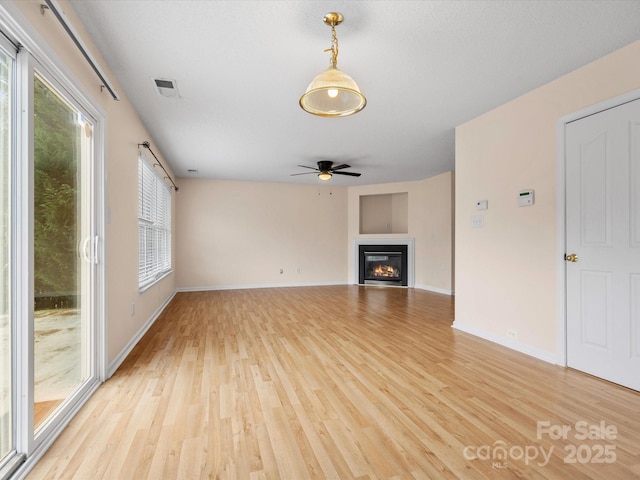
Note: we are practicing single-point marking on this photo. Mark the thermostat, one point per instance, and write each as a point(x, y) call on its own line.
point(525, 198)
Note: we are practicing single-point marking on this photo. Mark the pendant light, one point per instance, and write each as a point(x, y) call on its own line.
point(333, 93)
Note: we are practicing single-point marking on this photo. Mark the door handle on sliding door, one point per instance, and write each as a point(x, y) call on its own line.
point(95, 249)
point(85, 251)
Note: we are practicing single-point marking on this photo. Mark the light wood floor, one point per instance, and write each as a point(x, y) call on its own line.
point(338, 382)
point(42, 410)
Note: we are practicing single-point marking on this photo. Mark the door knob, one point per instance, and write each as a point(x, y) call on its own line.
point(572, 257)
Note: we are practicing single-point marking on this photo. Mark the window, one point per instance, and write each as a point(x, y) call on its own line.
point(154, 225)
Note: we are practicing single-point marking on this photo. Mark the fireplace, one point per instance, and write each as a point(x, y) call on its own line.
point(382, 265)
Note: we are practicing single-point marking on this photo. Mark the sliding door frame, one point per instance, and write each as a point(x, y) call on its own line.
point(35, 55)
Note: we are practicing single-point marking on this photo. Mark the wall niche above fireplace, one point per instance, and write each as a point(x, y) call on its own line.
point(384, 213)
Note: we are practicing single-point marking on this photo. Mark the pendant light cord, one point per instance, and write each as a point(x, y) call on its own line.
point(334, 47)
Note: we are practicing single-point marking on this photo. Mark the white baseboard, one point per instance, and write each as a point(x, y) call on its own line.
point(283, 285)
point(136, 338)
point(259, 285)
point(506, 342)
point(435, 289)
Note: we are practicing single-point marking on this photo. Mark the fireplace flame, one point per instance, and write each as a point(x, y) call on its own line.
point(385, 271)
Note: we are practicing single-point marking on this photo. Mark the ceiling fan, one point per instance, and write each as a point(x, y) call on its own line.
point(326, 170)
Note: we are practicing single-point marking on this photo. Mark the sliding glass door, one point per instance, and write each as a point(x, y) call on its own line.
point(7, 70)
point(62, 250)
point(51, 277)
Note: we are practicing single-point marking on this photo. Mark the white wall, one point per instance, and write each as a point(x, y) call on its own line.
point(506, 272)
point(235, 234)
point(430, 223)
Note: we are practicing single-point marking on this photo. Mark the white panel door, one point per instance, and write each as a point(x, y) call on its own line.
point(603, 234)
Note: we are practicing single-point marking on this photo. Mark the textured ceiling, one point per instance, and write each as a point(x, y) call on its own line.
point(424, 66)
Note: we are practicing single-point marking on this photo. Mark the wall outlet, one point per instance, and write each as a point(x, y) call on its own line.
point(298, 270)
point(512, 334)
point(281, 271)
point(477, 221)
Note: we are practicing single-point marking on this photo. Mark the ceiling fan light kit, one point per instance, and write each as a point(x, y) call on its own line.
point(325, 170)
point(333, 93)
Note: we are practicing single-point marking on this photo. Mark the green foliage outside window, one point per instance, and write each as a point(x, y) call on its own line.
point(56, 153)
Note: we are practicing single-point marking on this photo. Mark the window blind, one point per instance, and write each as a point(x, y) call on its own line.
point(154, 224)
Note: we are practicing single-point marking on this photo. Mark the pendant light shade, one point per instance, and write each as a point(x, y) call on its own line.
point(333, 93)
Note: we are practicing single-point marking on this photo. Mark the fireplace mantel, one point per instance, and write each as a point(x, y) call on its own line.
point(408, 241)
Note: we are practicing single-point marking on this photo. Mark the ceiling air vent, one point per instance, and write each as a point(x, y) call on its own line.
point(166, 88)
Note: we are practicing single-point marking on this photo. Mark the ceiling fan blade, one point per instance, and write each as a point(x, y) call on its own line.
point(352, 174)
point(312, 168)
point(340, 167)
point(304, 173)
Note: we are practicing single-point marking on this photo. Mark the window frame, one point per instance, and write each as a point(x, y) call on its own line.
point(154, 225)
